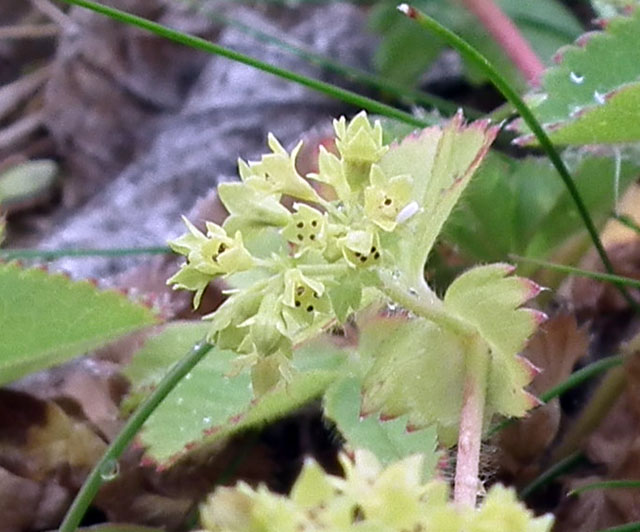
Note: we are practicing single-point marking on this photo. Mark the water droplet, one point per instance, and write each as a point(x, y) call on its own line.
point(180, 400)
point(574, 110)
point(182, 429)
point(206, 420)
point(576, 78)
point(599, 98)
point(395, 274)
point(188, 376)
point(109, 470)
point(413, 292)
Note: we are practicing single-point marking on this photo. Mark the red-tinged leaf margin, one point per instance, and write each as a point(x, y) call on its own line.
point(46, 319)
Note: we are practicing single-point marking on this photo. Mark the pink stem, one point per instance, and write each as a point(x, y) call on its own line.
point(466, 484)
point(507, 35)
point(465, 488)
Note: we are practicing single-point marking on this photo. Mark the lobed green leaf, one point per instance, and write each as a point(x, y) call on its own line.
point(592, 96)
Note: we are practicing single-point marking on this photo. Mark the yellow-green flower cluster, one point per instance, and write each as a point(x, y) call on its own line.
point(369, 498)
point(346, 233)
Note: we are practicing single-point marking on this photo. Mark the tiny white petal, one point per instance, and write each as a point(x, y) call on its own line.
point(407, 212)
point(403, 8)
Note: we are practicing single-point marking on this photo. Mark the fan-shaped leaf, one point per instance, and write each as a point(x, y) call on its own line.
point(214, 401)
point(388, 440)
point(46, 319)
point(408, 352)
point(593, 95)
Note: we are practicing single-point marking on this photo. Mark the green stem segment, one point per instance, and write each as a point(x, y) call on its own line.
point(421, 300)
point(114, 451)
point(476, 58)
point(44, 254)
point(202, 44)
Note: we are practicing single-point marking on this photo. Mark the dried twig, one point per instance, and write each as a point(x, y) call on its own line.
point(29, 31)
point(55, 14)
point(12, 94)
point(19, 130)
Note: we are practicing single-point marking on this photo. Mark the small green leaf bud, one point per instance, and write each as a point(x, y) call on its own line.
point(330, 171)
point(358, 142)
point(267, 328)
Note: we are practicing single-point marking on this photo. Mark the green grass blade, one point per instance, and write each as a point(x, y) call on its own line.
point(121, 442)
point(403, 94)
point(472, 55)
point(629, 527)
point(12, 254)
point(202, 44)
point(627, 221)
point(617, 280)
point(606, 485)
point(575, 379)
point(552, 473)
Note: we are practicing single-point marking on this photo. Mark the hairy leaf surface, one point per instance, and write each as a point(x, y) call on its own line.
point(409, 352)
point(593, 95)
point(216, 400)
point(46, 319)
point(388, 440)
point(441, 163)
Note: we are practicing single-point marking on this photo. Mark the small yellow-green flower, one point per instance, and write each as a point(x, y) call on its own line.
point(208, 256)
point(307, 228)
point(361, 248)
point(370, 498)
point(385, 198)
point(276, 173)
point(303, 298)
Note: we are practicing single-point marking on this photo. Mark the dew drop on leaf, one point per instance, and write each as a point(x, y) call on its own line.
point(599, 98)
point(109, 470)
point(188, 376)
point(576, 78)
point(180, 400)
point(206, 420)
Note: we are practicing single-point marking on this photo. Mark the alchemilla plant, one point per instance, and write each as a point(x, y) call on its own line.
point(361, 238)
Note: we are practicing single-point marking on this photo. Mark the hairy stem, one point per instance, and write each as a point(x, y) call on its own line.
point(508, 36)
point(419, 299)
point(465, 488)
point(114, 451)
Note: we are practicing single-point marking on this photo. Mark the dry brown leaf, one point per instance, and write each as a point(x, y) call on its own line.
point(555, 349)
point(590, 297)
point(614, 448)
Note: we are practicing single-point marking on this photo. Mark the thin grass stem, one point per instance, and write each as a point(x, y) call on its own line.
point(572, 270)
point(44, 254)
point(400, 92)
point(199, 43)
point(95, 479)
point(482, 63)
